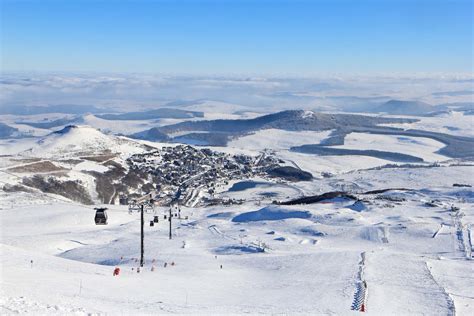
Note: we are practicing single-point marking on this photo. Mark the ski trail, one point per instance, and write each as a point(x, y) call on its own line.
point(463, 241)
point(469, 240)
point(215, 231)
point(407, 279)
point(360, 296)
point(448, 298)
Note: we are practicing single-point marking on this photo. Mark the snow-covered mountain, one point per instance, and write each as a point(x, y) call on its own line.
point(6, 131)
point(77, 140)
point(406, 107)
point(218, 132)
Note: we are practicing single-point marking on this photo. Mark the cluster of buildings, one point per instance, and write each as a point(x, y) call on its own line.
point(197, 172)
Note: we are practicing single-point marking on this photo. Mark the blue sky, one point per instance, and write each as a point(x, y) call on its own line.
point(225, 37)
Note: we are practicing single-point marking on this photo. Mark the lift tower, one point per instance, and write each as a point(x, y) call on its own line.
point(140, 204)
point(174, 203)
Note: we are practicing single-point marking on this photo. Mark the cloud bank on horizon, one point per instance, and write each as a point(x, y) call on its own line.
point(261, 94)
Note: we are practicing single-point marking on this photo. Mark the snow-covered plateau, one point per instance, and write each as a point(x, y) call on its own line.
point(383, 224)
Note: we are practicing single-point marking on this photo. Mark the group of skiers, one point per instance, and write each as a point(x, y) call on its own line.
point(117, 269)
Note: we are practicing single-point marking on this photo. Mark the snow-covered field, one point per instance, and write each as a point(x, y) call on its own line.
point(276, 139)
point(421, 147)
point(281, 141)
point(455, 123)
point(55, 259)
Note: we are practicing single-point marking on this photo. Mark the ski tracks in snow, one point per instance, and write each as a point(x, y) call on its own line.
point(447, 296)
point(402, 285)
point(216, 231)
point(463, 239)
point(360, 296)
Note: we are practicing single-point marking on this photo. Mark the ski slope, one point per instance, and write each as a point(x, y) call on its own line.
point(310, 264)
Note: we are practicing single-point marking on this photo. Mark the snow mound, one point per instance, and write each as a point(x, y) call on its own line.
point(221, 215)
point(237, 250)
point(308, 242)
point(375, 233)
point(310, 231)
point(270, 213)
point(358, 206)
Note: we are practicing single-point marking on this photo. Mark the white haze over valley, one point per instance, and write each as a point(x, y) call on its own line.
point(261, 94)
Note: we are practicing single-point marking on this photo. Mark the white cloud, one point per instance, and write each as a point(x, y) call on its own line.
point(138, 91)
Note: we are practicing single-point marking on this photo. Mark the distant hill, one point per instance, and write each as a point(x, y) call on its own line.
point(7, 131)
point(152, 114)
point(292, 120)
point(219, 131)
point(400, 107)
point(74, 140)
point(153, 134)
point(50, 124)
point(466, 107)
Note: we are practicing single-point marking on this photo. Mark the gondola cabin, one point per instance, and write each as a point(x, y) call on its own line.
point(100, 216)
